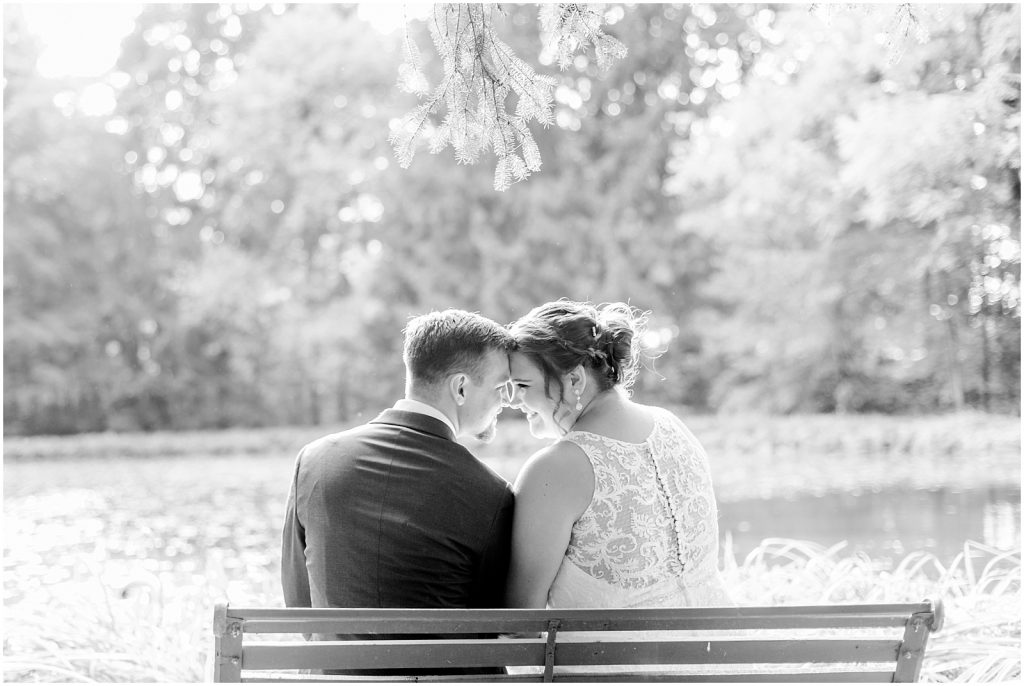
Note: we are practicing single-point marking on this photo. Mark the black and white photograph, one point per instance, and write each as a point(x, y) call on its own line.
point(517, 342)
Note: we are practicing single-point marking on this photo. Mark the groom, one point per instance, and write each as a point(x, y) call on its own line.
point(395, 513)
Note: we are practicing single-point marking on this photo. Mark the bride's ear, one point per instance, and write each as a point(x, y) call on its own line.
point(577, 380)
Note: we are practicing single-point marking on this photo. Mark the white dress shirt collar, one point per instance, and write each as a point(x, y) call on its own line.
point(409, 405)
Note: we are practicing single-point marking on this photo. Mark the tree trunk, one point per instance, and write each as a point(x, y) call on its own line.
point(956, 377)
point(986, 363)
point(315, 401)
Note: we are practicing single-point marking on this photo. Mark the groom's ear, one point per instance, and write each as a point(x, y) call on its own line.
point(457, 387)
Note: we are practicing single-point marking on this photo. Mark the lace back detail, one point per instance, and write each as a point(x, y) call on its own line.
point(653, 516)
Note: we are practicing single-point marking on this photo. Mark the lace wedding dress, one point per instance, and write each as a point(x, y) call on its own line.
point(650, 536)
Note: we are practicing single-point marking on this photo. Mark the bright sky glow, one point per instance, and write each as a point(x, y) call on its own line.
point(84, 39)
point(79, 39)
point(390, 16)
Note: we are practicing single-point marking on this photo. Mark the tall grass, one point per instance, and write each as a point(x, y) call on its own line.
point(980, 590)
point(121, 625)
point(145, 630)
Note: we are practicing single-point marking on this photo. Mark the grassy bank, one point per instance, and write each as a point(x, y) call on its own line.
point(948, 435)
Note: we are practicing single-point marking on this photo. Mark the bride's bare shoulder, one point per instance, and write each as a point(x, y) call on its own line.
point(559, 465)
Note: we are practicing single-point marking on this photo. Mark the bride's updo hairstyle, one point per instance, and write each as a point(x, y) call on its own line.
point(563, 334)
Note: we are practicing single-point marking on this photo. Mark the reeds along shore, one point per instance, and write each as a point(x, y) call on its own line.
point(99, 628)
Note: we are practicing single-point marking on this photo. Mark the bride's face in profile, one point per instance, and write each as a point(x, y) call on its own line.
point(528, 396)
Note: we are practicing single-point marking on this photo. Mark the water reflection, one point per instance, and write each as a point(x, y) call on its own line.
point(884, 524)
point(1001, 523)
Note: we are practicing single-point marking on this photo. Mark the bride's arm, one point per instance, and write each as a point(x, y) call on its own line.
point(553, 489)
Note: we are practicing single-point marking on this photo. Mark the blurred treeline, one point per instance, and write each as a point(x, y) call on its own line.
point(818, 220)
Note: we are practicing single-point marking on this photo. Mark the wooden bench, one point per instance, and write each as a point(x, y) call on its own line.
point(809, 643)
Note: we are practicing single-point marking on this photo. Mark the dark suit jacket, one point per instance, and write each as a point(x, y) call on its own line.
point(395, 513)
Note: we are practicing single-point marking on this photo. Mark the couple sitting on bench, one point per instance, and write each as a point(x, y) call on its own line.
point(617, 512)
point(406, 538)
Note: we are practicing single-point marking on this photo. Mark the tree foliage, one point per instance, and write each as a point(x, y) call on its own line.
point(813, 225)
point(869, 199)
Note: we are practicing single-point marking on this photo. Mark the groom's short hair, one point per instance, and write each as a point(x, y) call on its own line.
point(441, 343)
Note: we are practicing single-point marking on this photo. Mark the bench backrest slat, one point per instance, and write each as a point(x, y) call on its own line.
point(569, 618)
point(392, 621)
point(521, 625)
point(396, 654)
point(292, 678)
point(776, 677)
point(726, 652)
point(756, 677)
point(488, 652)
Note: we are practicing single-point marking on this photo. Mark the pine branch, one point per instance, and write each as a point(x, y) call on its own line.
point(480, 72)
point(572, 25)
point(904, 20)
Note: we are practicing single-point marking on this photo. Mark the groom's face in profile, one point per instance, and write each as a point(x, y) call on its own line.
point(483, 400)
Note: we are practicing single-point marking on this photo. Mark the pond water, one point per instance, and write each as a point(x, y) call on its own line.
point(169, 511)
point(884, 524)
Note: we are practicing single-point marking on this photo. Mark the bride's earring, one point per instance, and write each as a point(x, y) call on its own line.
point(579, 403)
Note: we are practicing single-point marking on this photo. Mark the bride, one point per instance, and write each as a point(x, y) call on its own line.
point(619, 512)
